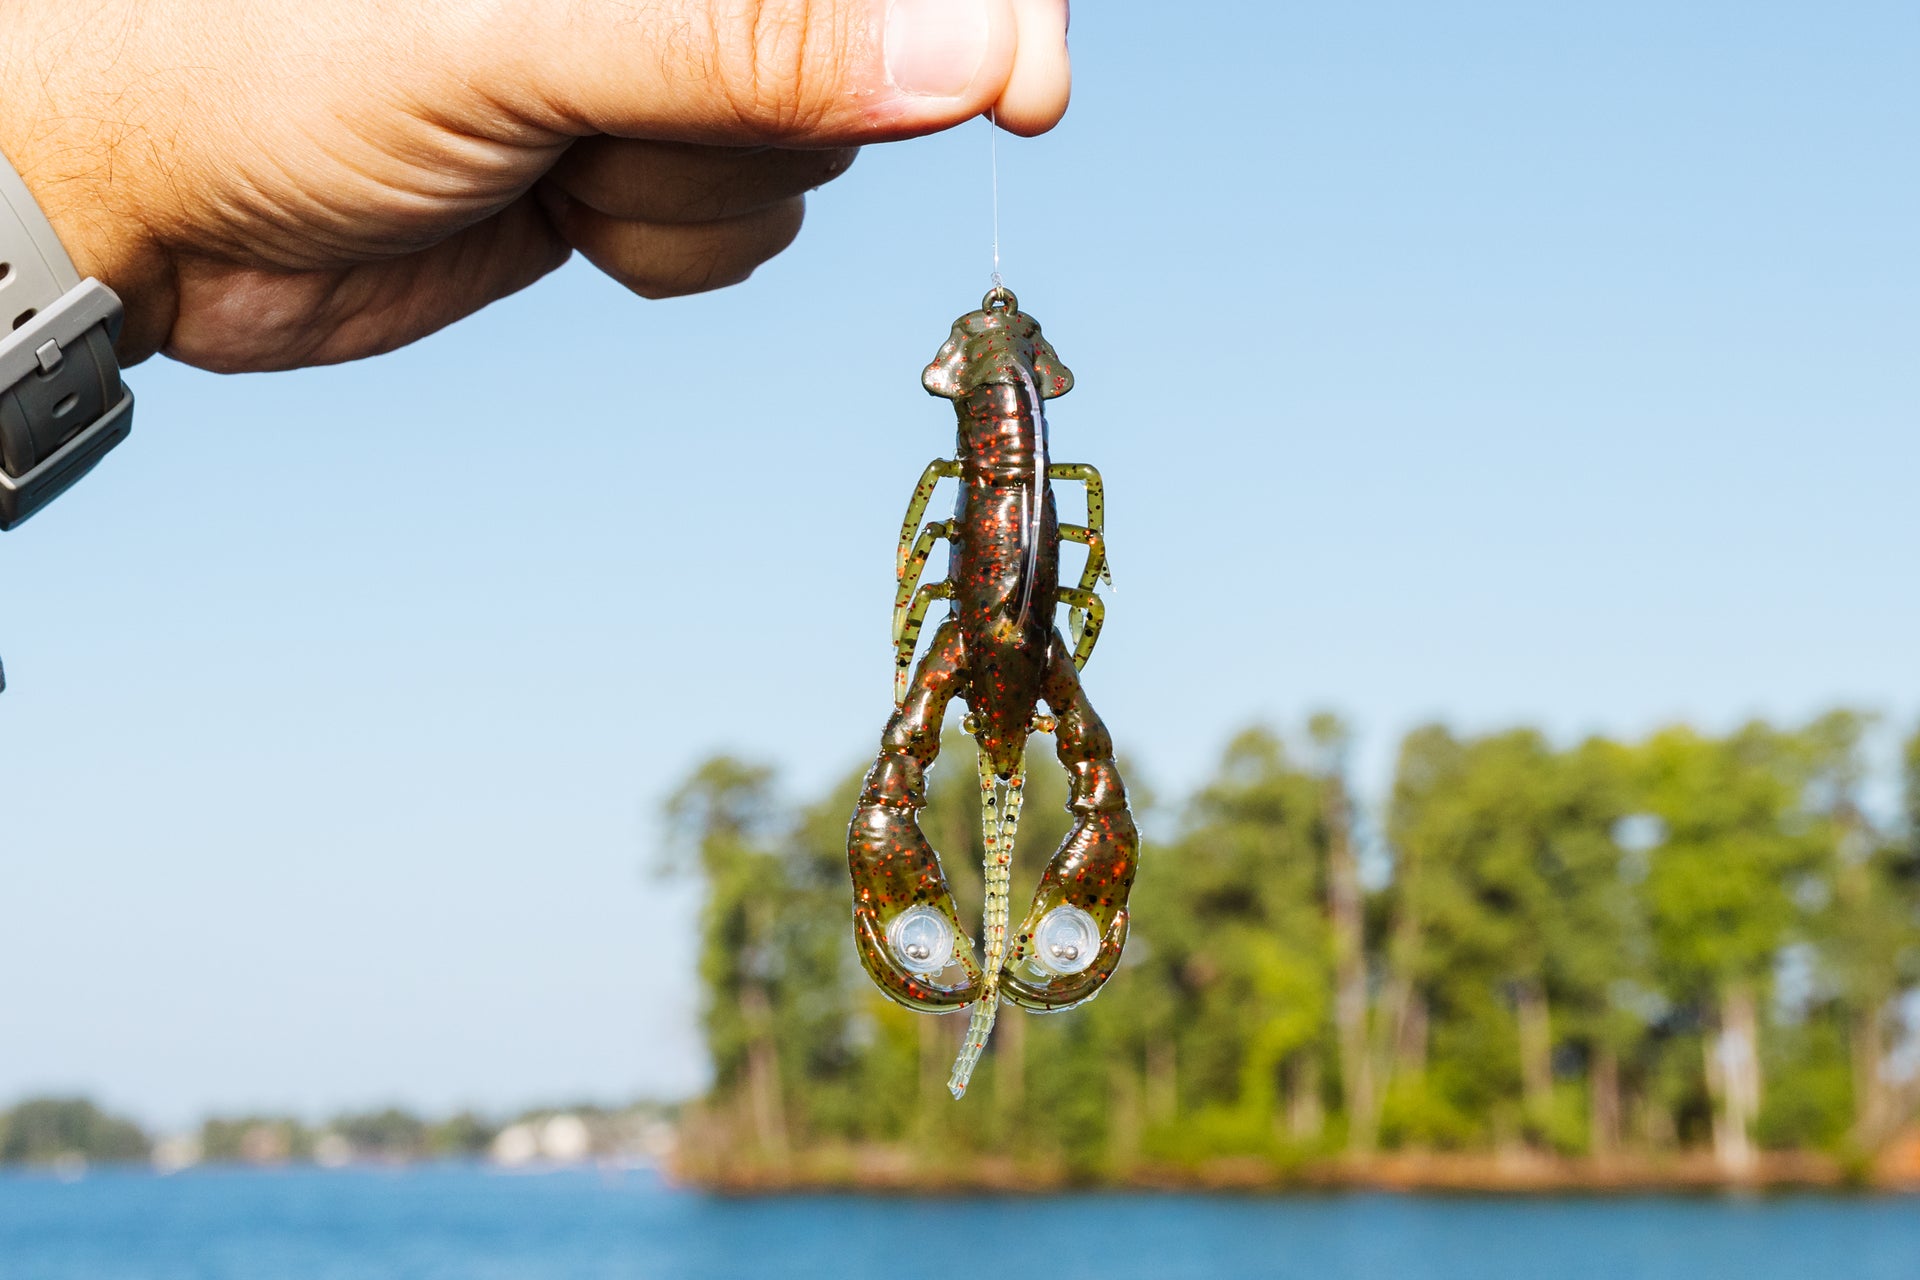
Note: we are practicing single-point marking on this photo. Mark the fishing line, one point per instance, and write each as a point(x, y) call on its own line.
point(993, 162)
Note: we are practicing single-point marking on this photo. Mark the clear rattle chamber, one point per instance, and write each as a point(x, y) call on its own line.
point(921, 940)
point(1066, 941)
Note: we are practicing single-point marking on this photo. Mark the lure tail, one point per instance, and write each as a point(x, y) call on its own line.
point(979, 1027)
point(1000, 804)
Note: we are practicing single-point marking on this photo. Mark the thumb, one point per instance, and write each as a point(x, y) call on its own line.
point(791, 72)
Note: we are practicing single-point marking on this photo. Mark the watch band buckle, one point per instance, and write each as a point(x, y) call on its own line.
point(59, 365)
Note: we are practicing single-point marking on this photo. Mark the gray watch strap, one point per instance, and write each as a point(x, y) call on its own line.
point(41, 269)
point(62, 402)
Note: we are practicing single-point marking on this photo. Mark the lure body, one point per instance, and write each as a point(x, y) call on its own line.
point(1000, 652)
point(996, 562)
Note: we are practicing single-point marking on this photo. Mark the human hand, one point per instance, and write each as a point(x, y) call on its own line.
point(276, 183)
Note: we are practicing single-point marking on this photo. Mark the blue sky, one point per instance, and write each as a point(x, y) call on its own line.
point(1501, 363)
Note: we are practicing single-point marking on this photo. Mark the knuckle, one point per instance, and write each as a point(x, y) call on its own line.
point(780, 63)
point(246, 320)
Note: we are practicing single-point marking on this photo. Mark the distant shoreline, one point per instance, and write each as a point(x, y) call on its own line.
point(884, 1173)
point(889, 1171)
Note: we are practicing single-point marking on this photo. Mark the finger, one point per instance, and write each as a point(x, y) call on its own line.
point(681, 182)
point(251, 319)
point(667, 260)
point(732, 72)
point(1036, 94)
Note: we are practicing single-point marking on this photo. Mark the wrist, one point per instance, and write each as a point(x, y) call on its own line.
point(73, 157)
point(108, 250)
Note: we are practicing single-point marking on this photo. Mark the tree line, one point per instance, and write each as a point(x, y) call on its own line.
point(76, 1131)
point(1689, 943)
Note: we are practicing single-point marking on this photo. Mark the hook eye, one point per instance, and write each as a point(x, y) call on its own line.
point(921, 940)
point(1066, 941)
point(1000, 299)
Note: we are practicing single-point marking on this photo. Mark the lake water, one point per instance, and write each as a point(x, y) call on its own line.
point(476, 1225)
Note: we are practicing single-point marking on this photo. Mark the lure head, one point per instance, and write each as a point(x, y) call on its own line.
point(995, 345)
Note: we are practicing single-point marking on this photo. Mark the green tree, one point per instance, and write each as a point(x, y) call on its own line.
point(463, 1135)
point(1866, 928)
point(1595, 943)
point(1428, 764)
point(46, 1130)
point(1910, 791)
point(1720, 898)
point(254, 1140)
point(1347, 928)
point(391, 1134)
point(722, 821)
point(1236, 926)
point(1511, 929)
point(817, 985)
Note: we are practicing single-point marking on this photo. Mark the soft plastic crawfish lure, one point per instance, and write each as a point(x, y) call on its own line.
point(999, 650)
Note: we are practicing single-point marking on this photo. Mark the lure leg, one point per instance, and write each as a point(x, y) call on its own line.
point(1096, 544)
point(894, 869)
point(911, 569)
point(1096, 505)
point(909, 635)
point(1093, 536)
point(1096, 610)
point(937, 470)
point(1091, 872)
point(1096, 568)
point(1000, 804)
